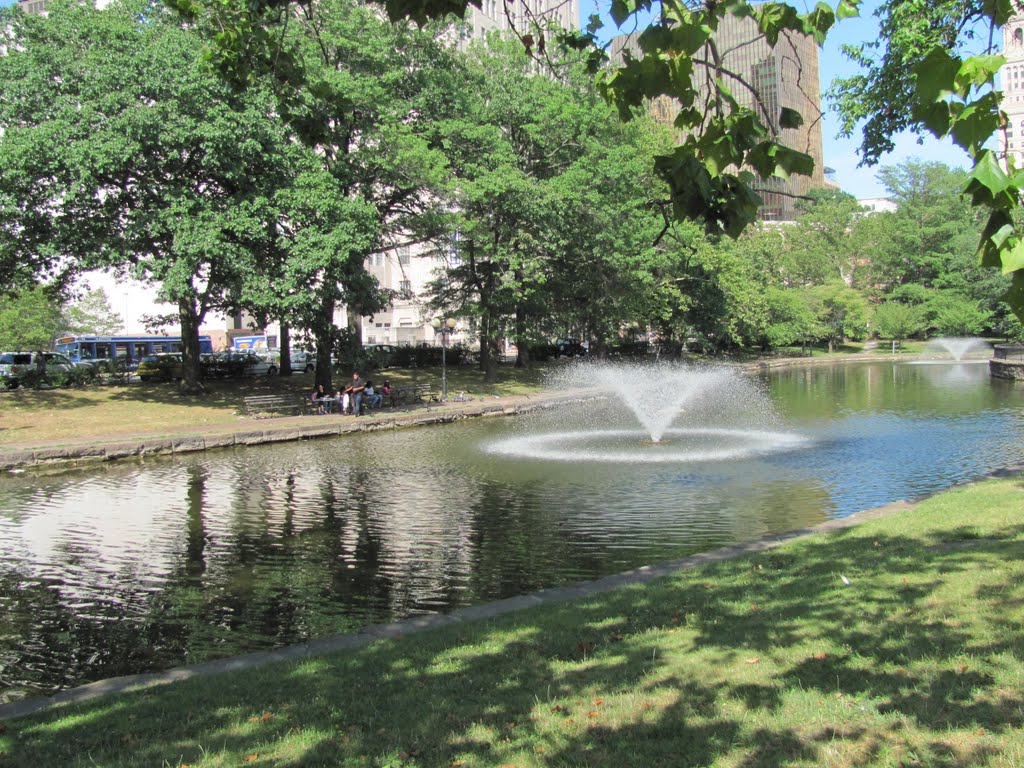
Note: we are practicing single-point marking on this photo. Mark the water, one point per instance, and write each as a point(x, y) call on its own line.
point(143, 566)
point(659, 394)
point(958, 346)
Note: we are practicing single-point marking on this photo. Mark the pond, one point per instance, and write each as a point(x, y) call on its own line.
point(135, 567)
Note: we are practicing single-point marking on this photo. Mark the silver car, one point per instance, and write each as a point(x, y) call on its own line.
point(12, 364)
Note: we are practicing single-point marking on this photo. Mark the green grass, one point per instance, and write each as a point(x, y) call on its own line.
point(29, 416)
point(895, 643)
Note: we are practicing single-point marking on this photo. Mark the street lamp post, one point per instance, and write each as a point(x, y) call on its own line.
point(445, 327)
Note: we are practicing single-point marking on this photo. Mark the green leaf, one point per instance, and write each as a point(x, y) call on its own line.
point(976, 72)
point(819, 21)
point(934, 116)
point(987, 181)
point(847, 9)
point(689, 37)
point(790, 118)
point(994, 238)
point(1015, 295)
point(1013, 258)
point(935, 75)
point(773, 18)
point(789, 161)
point(975, 125)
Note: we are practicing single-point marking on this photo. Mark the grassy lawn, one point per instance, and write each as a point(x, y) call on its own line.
point(109, 410)
point(895, 643)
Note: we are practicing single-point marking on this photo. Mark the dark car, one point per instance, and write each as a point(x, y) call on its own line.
point(570, 348)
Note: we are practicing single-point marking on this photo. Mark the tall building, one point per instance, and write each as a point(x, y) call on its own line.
point(504, 15)
point(1011, 83)
point(32, 6)
point(785, 75)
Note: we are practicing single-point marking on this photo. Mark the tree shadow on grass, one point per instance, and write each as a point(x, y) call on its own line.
point(770, 660)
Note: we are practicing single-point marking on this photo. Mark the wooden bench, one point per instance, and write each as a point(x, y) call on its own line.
point(268, 405)
point(416, 394)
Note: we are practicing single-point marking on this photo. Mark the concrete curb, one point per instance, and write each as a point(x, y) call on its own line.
point(415, 624)
point(287, 429)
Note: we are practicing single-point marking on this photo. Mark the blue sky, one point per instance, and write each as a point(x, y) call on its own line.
point(840, 154)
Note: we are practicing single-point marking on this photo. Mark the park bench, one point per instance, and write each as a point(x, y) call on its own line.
point(420, 393)
point(268, 405)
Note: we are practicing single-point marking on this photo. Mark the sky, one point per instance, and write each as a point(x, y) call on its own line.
point(840, 153)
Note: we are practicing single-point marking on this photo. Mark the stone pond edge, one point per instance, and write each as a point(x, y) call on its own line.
point(74, 453)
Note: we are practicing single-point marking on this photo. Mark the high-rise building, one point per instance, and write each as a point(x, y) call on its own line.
point(503, 16)
point(785, 75)
point(1011, 83)
point(32, 6)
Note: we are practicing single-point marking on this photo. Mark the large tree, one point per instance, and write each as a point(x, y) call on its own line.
point(921, 73)
point(370, 115)
point(121, 150)
point(549, 186)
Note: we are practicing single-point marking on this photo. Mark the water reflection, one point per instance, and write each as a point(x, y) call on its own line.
point(135, 567)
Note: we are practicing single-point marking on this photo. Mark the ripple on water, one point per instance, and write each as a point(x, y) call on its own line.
point(619, 446)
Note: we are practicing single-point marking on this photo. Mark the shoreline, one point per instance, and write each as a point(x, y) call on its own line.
point(416, 624)
point(76, 453)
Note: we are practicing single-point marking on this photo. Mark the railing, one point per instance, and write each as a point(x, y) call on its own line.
point(1008, 352)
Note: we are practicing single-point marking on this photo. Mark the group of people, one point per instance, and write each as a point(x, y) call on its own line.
point(352, 398)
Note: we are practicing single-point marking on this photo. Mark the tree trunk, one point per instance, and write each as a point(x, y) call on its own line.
point(484, 332)
point(491, 370)
point(324, 343)
point(522, 343)
point(191, 384)
point(353, 317)
point(285, 345)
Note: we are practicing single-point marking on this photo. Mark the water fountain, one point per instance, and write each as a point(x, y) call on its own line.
point(686, 413)
point(957, 346)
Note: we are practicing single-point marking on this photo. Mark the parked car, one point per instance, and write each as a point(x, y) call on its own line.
point(570, 347)
point(15, 365)
point(303, 361)
point(246, 363)
point(163, 367)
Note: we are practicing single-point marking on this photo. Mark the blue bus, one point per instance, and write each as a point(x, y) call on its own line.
point(91, 349)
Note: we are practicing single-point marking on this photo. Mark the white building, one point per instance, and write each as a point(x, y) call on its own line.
point(877, 205)
point(1011, 83)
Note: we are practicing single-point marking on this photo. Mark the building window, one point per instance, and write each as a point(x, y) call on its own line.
point(405, 288)
point(403, 255)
